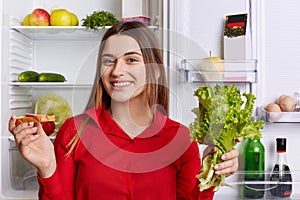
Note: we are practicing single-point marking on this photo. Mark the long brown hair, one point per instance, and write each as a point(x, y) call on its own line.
point(152, 54)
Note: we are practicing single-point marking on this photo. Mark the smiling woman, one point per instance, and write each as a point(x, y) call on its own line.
point(124, 146)
point(123, 70)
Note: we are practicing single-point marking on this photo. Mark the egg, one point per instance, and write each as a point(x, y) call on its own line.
point(287, 104)
point(280, 98)
point(273, 107)
point(274, 112)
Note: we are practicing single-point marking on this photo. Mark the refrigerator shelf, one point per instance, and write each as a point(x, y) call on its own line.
point(62, 32)
point(278, 117)
point(51, 84)
point(59, 32)
point(227, 71)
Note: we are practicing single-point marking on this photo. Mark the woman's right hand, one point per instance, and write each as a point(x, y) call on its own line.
point(34, 145)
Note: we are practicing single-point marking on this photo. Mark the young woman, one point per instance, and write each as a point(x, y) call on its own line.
point(123, 146)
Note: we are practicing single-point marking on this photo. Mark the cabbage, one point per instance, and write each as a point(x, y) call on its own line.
point(53, 104)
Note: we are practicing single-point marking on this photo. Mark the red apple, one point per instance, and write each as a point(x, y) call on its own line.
point(48, 127)
point(39, 17)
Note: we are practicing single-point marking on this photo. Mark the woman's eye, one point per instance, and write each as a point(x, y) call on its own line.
point(131, 60)
point(108, 61)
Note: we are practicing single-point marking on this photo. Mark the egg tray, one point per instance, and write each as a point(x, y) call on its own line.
point(277, 117)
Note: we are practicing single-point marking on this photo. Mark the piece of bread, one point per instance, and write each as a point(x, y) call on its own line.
point(47, 121)
point(41, 117)
point(25, 119)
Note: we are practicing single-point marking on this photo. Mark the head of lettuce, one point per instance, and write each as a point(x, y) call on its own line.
point(223, 116)
point(53, 104)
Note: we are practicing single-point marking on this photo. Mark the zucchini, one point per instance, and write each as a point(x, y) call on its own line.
point(28, 76)
point(51, 77)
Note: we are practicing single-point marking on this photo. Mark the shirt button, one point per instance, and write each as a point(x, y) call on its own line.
point(131, 141)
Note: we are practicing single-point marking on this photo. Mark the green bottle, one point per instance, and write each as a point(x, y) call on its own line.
point(254, 168)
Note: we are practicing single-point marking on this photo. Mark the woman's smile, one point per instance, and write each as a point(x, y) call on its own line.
point(121, 84)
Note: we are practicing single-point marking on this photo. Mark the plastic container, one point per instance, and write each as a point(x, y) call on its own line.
point(22, 174)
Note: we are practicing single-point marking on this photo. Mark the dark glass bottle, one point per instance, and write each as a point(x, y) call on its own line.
point(254, 167)
point(281, 172)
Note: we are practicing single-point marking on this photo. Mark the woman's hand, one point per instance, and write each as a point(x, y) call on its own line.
point(34, 145)
point(230, 160)
point(229, 164)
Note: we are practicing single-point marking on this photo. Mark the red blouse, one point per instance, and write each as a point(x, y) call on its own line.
point(160, 164)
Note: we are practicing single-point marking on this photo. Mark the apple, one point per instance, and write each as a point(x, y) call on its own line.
point(48, 127)
point(39, 17)
point(74, 19)
point(212, 68)
point(26, 20)
point(60, 17)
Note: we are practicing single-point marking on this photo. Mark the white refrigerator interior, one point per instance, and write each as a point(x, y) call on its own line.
point(192, 29)
point(71, 51)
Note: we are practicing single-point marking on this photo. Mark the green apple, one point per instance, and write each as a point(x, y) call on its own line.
point(212, 68)
point(60, 17)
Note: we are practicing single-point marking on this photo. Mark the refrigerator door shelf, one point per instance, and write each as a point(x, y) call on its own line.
point(227, 71)
point(277, 117)
point(236, 182)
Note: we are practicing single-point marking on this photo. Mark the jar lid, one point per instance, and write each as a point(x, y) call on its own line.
point(281, 144)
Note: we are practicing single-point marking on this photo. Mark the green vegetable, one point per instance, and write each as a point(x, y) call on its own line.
point(28, 76)
point(51, 77)
point(99, 19)
point(222, 117)
point(53, 104)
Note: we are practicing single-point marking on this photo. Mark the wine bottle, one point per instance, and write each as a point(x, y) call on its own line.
point(254, 167)
point(281, 173)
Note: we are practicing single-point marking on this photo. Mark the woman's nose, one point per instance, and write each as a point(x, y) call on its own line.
point(119, 68)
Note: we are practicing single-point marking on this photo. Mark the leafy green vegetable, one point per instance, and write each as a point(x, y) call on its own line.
point(99, 19)
point(222, 117)
point(53, 104)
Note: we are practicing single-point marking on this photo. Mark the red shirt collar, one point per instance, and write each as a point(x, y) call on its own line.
point(102, 118)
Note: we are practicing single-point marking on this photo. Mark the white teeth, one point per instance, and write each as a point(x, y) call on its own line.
point(121, 84)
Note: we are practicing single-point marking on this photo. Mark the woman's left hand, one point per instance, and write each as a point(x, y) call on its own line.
point(230, 163)
point(230, 160)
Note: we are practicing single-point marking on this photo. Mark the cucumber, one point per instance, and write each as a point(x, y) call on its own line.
point(51, 77)
point(28, 76)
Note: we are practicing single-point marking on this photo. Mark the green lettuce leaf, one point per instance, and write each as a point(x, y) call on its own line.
point(223, 116)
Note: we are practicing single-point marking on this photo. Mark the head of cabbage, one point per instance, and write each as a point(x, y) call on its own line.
point(53, 104)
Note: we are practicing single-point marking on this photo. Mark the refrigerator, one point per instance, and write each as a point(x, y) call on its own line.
point(200, 29)
point(188, 30)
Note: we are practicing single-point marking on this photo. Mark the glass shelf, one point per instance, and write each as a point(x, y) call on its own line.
point(50, 84)
point(237, 183)
point(277, 117)
point(63, 32)
point(60, 32)
point(230, 71)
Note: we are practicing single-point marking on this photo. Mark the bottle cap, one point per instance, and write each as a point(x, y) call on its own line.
point(281, 144)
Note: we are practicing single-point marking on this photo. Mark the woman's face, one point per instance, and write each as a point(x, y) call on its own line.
point(123, 70)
